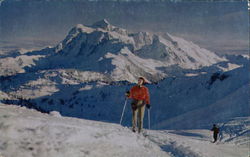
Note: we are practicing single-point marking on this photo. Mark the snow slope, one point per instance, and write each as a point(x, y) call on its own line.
point(196, 143)
point(28, 133)
point(198, 102)
point(220, 111)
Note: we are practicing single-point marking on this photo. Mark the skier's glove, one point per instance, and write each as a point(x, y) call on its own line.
point(148, 106)
point(127, 94)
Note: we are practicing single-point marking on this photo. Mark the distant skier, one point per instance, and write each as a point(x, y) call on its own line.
point(216, 131)
point(140, 97)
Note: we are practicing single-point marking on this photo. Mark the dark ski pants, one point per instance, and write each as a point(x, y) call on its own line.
point(215, 137)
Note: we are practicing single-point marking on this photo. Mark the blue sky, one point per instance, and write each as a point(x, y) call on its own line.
point(218, 26)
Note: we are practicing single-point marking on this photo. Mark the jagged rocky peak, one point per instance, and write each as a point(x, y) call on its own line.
point(106, 26)
point(75, 31)
point(80, 28)
point(103, 24)
point(99, 26)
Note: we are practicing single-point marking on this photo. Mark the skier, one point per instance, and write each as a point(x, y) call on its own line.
point(140, 97)
point(216, 131)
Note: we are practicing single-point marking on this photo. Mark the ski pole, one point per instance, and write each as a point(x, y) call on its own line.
point(123, 110)
point(149, 119)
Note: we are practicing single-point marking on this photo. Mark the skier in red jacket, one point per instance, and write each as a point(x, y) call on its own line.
point(140, 97)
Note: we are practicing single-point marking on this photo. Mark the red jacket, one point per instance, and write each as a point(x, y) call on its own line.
point(140, 93)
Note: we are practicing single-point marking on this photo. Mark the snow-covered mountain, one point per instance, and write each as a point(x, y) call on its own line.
point(122, 55)
point(87, 74)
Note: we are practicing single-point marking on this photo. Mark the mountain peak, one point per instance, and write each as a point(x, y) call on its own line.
point(104, 24)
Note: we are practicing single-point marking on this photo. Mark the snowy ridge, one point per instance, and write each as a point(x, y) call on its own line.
point(201, 56)
point(13, 65)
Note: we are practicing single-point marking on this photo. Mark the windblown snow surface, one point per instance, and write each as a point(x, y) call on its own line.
point(28, 133)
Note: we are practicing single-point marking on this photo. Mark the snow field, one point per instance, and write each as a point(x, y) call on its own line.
point(28, 133)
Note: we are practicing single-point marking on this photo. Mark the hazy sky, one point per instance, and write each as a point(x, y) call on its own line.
point(218, 26)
